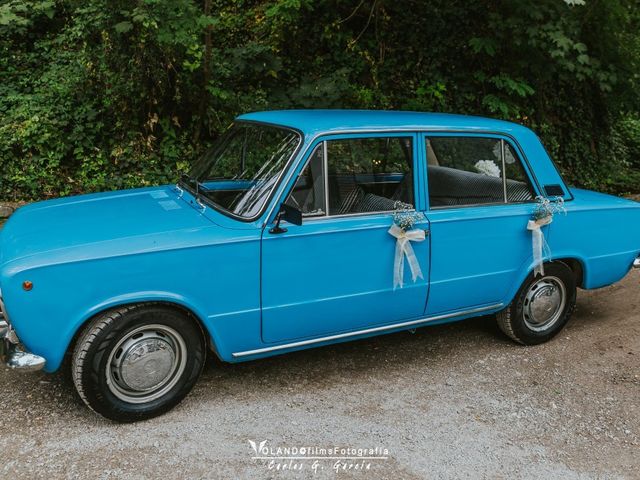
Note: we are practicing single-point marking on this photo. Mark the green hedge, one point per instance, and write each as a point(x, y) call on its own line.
point(103, 94)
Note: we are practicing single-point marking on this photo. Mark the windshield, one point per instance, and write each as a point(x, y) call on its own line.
point(239, 173)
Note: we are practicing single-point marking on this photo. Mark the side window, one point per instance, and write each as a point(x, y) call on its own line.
point(473, 171)
point(362, 175)
point(369, 174)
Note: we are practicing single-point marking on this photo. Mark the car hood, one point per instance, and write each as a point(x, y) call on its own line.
point(102, 224)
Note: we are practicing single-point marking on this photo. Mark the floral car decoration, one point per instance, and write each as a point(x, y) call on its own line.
point(294, 232)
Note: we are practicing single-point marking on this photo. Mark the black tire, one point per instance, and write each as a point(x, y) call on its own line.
point(518, 320)
point(173, 336)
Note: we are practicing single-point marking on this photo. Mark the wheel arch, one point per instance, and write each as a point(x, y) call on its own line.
point(577, 267)
point(574, 263)
point(527, 324)
point(171, 303)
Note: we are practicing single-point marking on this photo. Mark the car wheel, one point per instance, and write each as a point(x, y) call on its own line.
point(542, 306)
point(138, 362)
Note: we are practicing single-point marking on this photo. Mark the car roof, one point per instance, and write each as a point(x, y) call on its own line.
point(313, 122)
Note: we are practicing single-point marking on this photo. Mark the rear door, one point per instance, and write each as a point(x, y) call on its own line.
point(481, 197)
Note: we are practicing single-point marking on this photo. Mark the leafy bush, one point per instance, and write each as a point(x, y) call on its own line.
point(105, 94)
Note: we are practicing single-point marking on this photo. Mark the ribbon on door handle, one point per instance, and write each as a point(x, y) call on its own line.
point(404, 249)
point(538, 242)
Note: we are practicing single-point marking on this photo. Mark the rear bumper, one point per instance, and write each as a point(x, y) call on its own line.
point(636, 263)
point(12, 352)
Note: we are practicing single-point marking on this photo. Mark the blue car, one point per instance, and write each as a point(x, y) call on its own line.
point(301, 229)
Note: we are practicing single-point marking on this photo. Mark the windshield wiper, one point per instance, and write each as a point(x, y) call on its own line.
point(194, 183)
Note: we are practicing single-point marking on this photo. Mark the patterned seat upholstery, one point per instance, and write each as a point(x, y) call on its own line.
point(344, 194)
point(450, 187)
point(518, 191)
point(350, 197)
point(374, 203)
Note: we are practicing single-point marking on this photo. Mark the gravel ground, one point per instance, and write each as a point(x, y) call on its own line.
point(455, 401)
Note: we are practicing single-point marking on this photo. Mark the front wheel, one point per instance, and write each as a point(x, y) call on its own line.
point(137, 362)
point(542, 306)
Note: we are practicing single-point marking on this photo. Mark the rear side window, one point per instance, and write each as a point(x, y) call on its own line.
point(475, 171)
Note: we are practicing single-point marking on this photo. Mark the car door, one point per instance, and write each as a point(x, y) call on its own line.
point(334, 273)
point(481, 197)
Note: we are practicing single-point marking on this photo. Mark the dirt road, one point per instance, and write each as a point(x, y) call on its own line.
point(456, 401)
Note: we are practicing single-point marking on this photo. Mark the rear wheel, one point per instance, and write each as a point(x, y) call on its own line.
point(137, 362)
point(542, 306)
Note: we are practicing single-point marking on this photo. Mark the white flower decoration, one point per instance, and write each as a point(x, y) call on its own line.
point(488, 167)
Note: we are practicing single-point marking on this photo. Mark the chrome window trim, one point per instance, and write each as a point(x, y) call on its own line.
point(382, 328)
point(325, 153)
point(316, 218)
point(504, 171)
point(535, 184)
point(471, 205)
point(311, 147)
point(537, 187)
point(524, 163)
point(325, 177)
point(355, 214)
point(281, 175)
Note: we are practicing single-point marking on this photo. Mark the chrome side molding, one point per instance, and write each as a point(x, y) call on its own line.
point(383, 328)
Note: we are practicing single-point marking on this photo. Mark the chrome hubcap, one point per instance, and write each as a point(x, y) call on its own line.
point(146, 363)
point(544, 303)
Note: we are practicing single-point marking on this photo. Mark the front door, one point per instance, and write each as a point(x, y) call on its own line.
point(334, 273)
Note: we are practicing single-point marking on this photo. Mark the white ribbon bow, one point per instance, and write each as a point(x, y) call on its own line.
point(404, 248)
point(538, 242)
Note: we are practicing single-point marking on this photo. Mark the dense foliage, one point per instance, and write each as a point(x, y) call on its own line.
point(101, 94)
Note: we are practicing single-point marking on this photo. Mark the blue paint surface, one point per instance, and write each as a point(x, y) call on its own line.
point(253, 290)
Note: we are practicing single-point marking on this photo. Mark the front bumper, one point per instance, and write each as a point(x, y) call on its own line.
point(636, 263)
point(12, 353)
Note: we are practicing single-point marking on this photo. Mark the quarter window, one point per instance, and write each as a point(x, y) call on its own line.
point(474, 170)
point(359, 175)
point(518, 186)
point(308, 194)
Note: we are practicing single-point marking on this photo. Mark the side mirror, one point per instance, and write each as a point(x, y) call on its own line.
point(288, 213)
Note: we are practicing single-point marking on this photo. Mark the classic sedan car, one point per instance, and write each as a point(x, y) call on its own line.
point(294, 232)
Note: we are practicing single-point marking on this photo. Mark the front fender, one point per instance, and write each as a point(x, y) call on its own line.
point(39, 337)
point(224, 295)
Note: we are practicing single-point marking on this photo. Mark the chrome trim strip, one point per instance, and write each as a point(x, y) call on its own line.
point(356, 214)
point(325, 176)
point(504, 172)
point(366, 331)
